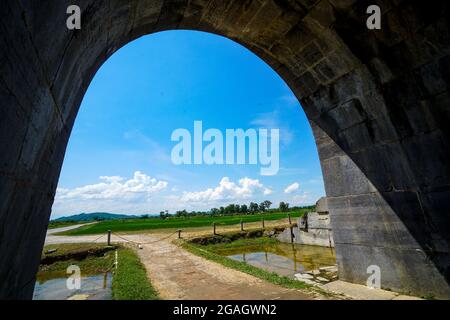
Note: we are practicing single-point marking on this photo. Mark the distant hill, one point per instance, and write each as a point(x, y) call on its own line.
point(95, 216)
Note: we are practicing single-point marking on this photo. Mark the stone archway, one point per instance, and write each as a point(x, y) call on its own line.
point(378, 101)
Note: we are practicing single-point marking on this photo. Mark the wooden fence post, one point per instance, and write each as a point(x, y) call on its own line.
point(242, 225)
point(292, 234)
point(289, 218)
point(262, 222)
point(329, 238)
point(179, 234)
point(109, 237)
point(214, 228)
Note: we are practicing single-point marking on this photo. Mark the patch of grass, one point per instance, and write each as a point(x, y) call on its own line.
point(175, 223)
point(251, 270)
point(245, 242)
point(130, 280)
point(70, 248)
point(69, 254)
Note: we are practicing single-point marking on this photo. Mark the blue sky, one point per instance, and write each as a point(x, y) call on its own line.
point(118, 158)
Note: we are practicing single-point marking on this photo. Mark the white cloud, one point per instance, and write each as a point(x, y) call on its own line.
point(114, 188)
point(143, 194)
point(305, 198)
point(292, 188)
point(228, 190)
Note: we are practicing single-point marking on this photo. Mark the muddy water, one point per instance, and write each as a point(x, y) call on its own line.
point(93, 287)
point(284, 259)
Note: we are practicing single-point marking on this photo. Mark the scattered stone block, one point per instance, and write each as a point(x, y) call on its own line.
point(329, 269)
point(302, 276)
point(313, 272)
point(322, 279)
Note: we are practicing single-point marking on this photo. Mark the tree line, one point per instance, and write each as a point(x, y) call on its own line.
point(233, 209)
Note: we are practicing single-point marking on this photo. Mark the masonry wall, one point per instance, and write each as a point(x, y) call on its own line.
point(367, 231)
point(380, 99)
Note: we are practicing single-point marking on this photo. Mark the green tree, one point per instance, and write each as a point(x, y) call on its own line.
point(284, 207)
point(181, 213)
point(267, 204)
point(230, 209)
point(262, 207)
point(253, 207)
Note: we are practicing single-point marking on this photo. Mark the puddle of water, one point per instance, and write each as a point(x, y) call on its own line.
point(93, 287)
point(282, 258)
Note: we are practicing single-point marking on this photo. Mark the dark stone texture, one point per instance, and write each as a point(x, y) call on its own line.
point(378, 102)
point(386, 228)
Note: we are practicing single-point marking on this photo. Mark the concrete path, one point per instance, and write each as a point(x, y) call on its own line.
point(57, 230)
point(53, 239)
point(178, 274)
point(360, 292)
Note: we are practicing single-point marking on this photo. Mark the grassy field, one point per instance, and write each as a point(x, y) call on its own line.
point(176, 223)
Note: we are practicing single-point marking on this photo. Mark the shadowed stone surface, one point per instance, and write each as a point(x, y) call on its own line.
point(378, 102)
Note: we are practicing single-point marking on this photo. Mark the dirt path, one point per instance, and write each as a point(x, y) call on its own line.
point(56, 230)
point(178, 274)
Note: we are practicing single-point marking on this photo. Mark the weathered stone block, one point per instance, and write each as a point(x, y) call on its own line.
point(396, 266)
point(377, 159)
point(347, 178)
point(342, 4)
point(427, 152)
point(348, 114)
point(312, 54)
point(369, 220)
point(322, 205)
point(323, 13)
point(394, 140)
point(11, 114)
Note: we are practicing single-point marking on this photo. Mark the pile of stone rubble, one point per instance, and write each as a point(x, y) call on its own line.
point(318, 276)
